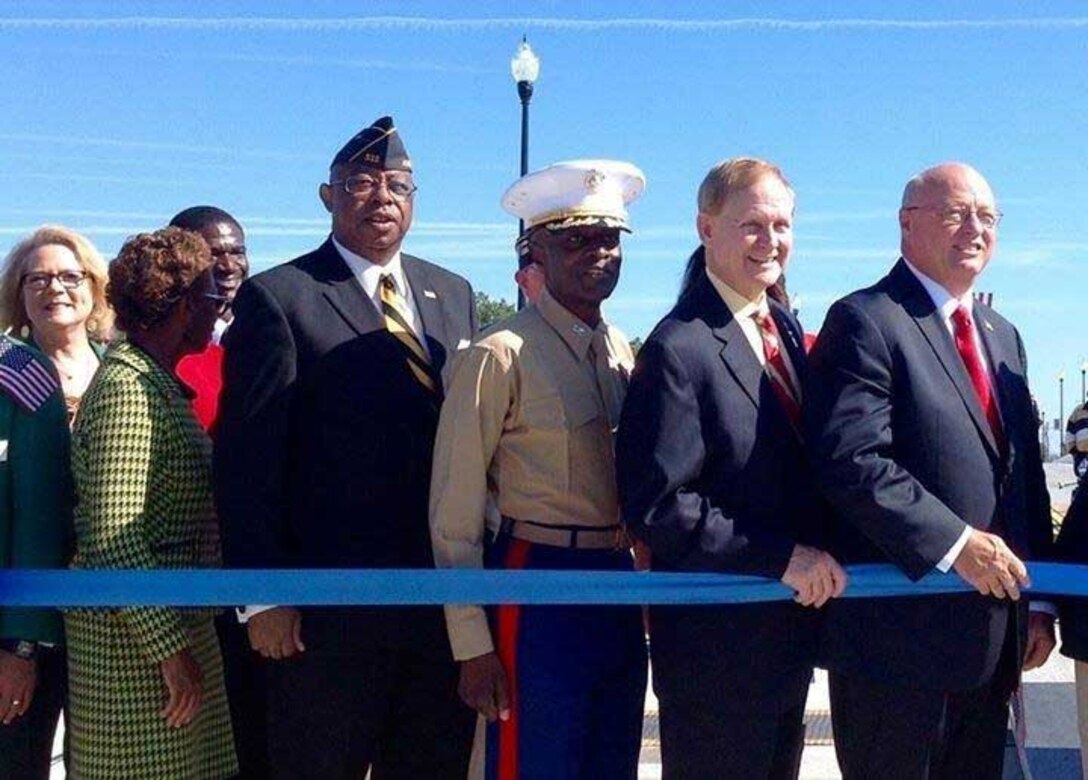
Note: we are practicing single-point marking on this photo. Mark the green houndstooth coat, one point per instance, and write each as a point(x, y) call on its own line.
point(142, 470)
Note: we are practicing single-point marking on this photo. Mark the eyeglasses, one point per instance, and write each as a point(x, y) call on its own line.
point(361, 185)
point(954, 217)
point(39, 281)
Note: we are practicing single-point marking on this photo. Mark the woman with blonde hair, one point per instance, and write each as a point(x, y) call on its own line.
point(53, 295)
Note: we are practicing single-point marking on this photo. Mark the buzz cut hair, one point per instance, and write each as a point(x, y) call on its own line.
point(196, 218)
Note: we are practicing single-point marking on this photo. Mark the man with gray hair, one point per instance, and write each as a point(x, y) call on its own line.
point(922, 434)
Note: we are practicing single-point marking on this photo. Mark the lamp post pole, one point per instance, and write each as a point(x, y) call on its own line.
point(1061, 398)
point(1083, 371)
point(525, 68)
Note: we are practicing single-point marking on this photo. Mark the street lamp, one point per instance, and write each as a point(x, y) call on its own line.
point(1061, 398)
point(525, 68)
point(1083, 371)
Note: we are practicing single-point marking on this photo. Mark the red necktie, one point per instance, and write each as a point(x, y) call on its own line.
point(964, 332)
point(777, 370)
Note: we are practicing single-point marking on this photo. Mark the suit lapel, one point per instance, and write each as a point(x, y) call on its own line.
point(739, 359)
point(346, 295)
point(924, 313)
point(999, 354)
point(428, 302)
point(794, 348)
point(735, 351)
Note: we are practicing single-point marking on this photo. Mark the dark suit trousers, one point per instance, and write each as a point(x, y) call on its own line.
point(698, 741)
point(909, 733)
point(26, 744)
point(379, 692)
point(247, 692)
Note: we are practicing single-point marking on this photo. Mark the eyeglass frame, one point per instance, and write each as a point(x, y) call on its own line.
point(49, 276)
point(961, 215)
point(377, 180)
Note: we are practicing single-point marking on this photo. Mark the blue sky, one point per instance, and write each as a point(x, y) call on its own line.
point(119, 114)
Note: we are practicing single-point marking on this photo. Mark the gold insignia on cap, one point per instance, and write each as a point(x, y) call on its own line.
point(594, 180)
point(385, 134)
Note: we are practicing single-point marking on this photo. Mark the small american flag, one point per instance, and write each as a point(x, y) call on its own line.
point(23, 377)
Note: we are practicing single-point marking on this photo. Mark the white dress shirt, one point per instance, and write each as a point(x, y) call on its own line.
point(946, 304)
point(369, 274)
point(744, 312)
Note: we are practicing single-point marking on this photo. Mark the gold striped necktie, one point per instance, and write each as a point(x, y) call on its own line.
point(394, 311)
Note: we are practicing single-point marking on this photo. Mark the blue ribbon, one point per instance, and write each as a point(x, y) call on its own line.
point(312, 587)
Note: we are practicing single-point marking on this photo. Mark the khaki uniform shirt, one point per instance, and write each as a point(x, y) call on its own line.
point(529, 419)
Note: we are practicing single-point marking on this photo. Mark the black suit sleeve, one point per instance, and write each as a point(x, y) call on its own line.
point(849, 411)
point(660, 457)
point(474, 323)
point(1040, 529)
point(251, 439)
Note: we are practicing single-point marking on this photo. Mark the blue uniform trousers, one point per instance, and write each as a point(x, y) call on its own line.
point(577, 676)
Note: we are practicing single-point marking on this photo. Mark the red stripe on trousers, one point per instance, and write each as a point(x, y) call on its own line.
point(508, 616)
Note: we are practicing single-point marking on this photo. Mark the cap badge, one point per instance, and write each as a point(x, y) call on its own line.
point(594, 180)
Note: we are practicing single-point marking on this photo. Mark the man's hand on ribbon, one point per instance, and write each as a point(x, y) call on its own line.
point(815, 576)
point(990, 567)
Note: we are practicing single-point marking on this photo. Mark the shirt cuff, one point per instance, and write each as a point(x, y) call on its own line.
point(953, 553)
point(469, 634)
point(245, 613)
point(1046, 607)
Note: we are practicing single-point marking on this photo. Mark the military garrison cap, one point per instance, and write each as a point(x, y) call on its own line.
point(377, 146)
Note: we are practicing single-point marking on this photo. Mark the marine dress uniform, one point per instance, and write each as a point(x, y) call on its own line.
point(142, 468)
point(528, 426)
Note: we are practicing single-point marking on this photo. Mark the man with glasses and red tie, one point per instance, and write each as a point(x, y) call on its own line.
point(713, 478)
point(921, 431)
point(334, 375)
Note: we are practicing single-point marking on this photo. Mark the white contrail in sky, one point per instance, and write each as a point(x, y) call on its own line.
point(156, 146)
point(278, 24)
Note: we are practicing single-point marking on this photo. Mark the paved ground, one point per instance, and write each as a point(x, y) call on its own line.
point(1049, 697)
point(1051, 719)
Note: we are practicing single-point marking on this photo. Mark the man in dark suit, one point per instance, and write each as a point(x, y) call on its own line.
point(334, 373)
point(923, 436)
point(713, 477)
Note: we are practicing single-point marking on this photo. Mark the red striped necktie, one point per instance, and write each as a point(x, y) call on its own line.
point(777, 369)
point(964, 334)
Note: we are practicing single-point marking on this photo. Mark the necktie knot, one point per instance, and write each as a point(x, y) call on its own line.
point(388, 283)
point(961, 319)
point(769, 332)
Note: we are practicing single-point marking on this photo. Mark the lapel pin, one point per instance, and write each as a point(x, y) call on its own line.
point(429, 294)
point(988, 326)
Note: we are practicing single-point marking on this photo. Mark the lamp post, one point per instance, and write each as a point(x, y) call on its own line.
point(525, 67)
point(1083, 371)
point(1061, 398)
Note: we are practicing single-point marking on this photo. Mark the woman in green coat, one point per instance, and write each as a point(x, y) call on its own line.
point(52, 292)
point(146, 684)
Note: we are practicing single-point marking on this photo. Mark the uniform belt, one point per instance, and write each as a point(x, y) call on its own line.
point(583, 537)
